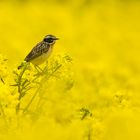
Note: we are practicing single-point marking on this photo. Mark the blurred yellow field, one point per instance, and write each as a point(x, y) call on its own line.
point(89, 88)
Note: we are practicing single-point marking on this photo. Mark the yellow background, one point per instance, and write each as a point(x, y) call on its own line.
point(103, 39)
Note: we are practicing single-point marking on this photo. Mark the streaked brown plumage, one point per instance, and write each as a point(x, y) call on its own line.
point(37, 51)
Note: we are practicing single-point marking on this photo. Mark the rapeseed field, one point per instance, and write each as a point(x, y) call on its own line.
point(90, 85)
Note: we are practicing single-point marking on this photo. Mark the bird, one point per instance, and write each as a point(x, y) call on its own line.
point(40, 53)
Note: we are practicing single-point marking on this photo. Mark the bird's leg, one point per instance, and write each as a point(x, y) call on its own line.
point(39, 70)
point(46, 67)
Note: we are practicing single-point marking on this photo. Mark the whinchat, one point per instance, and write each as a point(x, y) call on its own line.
point(41, 51)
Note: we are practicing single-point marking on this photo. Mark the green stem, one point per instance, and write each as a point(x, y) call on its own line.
point(39, 89)
point(19, 86)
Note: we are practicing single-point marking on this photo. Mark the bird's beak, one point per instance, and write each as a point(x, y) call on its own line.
point(56, 38)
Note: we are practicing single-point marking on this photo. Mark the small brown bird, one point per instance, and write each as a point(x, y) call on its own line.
point(41, 51)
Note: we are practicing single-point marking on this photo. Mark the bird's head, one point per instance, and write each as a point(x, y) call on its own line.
point(50, 39)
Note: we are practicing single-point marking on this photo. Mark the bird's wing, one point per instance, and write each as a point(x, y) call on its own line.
point(40, 48)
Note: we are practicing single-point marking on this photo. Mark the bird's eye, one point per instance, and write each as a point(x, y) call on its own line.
point(49, 40)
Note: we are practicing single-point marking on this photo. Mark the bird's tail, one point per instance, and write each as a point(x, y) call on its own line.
point(19, 67)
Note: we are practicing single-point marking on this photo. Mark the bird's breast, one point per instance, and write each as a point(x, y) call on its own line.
point(42, 58)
